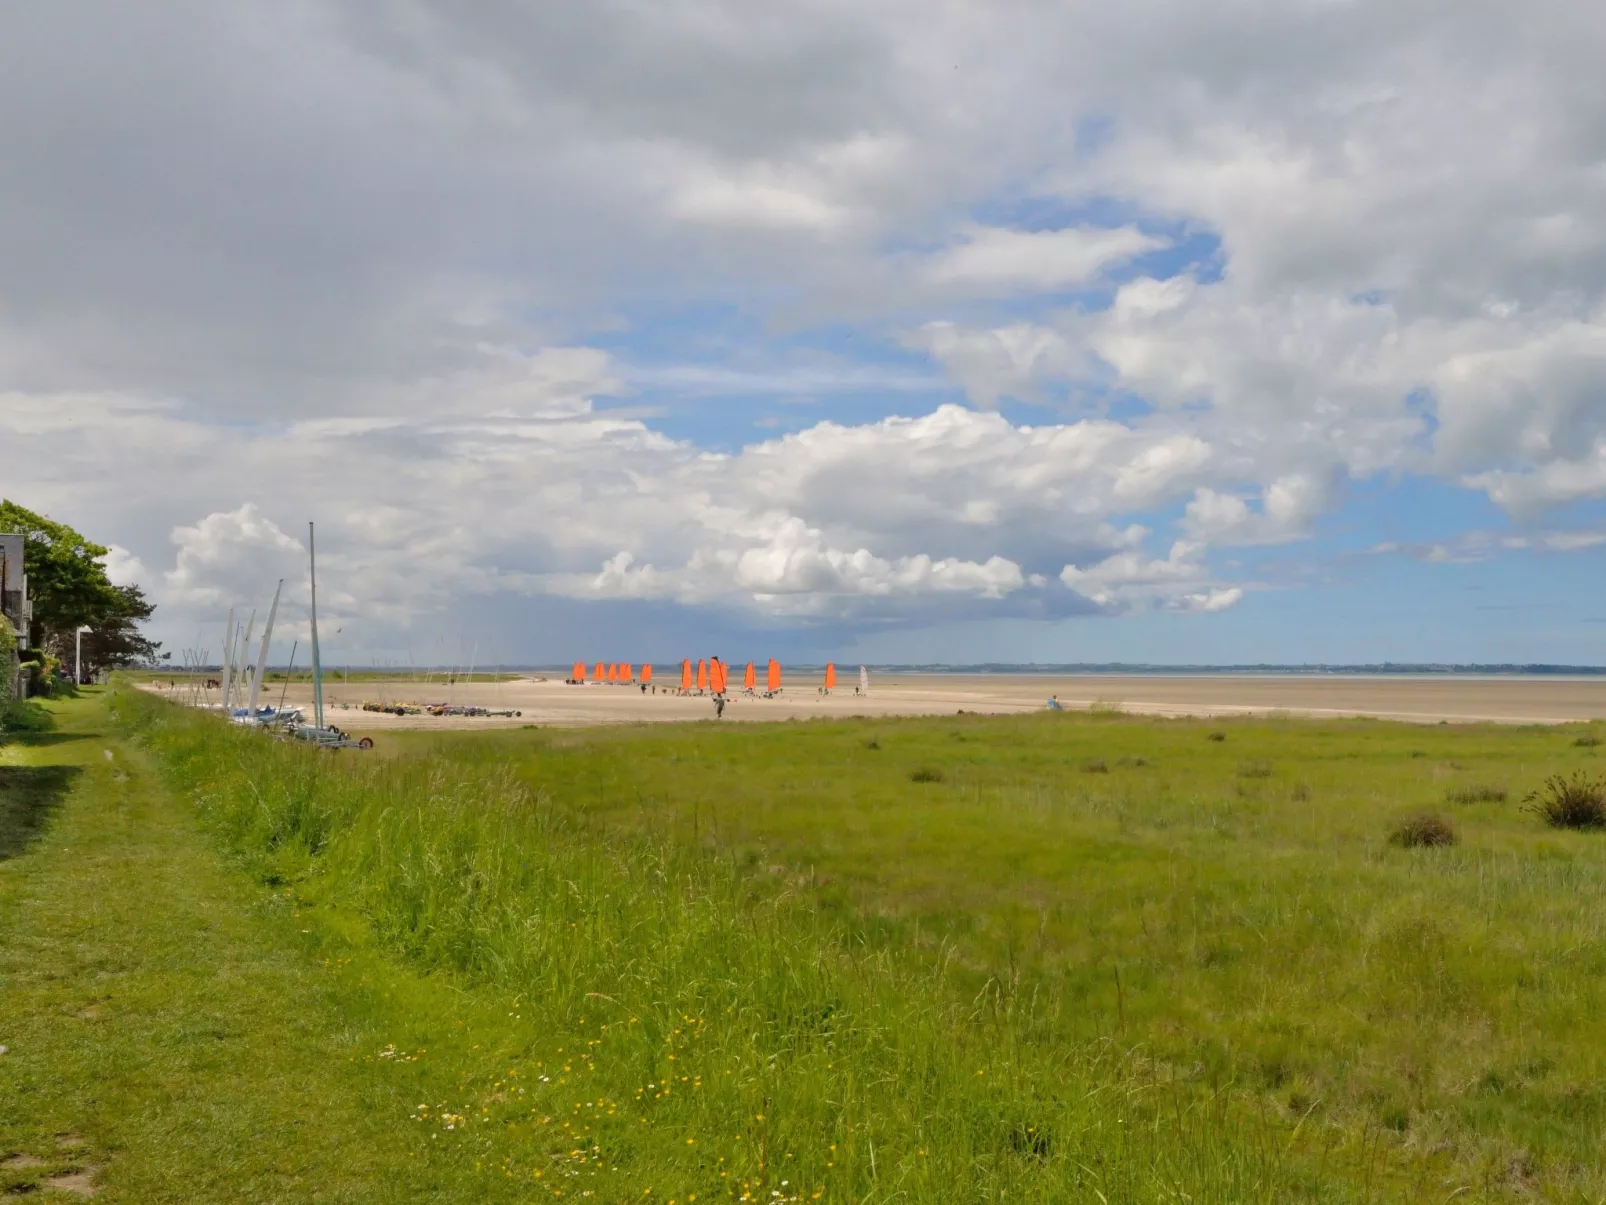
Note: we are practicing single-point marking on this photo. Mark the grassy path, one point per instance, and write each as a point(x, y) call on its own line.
point(173, 1033)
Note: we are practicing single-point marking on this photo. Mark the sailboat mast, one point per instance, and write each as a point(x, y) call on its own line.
point(317, 664)
point(228, 649)
point(242, 662)
point(289, 673)
point(262, 657)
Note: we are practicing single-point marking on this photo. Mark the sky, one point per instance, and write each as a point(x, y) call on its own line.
point(945, 331)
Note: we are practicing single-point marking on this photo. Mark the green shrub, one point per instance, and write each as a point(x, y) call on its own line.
point(1576, 802)
point(8, 647)
point(1425, 830)
point(23, 716)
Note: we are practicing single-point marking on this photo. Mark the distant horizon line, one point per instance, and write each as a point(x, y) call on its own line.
point(1012, 667)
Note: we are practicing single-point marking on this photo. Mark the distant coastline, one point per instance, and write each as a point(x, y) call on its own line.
point(1386, 668)
point(1129, 669)
point(1085, 669)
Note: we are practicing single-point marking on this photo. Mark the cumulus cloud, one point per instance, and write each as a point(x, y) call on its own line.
point(1289, 505)
point(896, 520)
point(1129, 580)
point(796, 572)
point(989, 259)
point(228, 556)
point(123, 568)
point(1011, 361)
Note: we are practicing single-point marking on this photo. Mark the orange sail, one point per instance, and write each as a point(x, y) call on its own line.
point(579, 672)
point(749, 678)
point(830, 675)
point(685, 675)
point(628, 674)
point(613, 671)
point(602, 673)
point(646, 674)
point(772, 676)
point(702, 674)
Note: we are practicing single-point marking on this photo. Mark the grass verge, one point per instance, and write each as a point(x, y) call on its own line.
point(678, 1026)
point(174, 1032)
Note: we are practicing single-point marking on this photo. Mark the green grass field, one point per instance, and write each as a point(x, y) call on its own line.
point(1046, 958)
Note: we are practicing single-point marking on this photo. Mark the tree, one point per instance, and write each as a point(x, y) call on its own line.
point(116, 642)
point(68, 586)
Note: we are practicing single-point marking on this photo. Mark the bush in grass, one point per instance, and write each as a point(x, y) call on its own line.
point(24, 717)
point(925, 774)
point(1476, 793)
point(1423, 831)
point(1587, 742)
point(1576, 802)
point(8, 647)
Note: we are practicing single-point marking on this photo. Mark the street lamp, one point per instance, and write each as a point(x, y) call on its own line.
point(78, 656)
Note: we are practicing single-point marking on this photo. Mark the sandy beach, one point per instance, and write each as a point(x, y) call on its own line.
point(550, 701)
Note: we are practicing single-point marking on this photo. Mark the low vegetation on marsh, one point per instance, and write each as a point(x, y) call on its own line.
point(987, 978)
point(1576, 801)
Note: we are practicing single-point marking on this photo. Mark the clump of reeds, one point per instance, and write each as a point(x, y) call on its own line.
point(925, 774)
point(1576, 802)
point(1423, 831)
point(1476, 793)
point(1031, 1141)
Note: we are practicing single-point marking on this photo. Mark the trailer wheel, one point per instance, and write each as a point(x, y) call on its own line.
point(367, 742)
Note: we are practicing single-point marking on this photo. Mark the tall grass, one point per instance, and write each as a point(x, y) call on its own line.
point(723, 1038)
